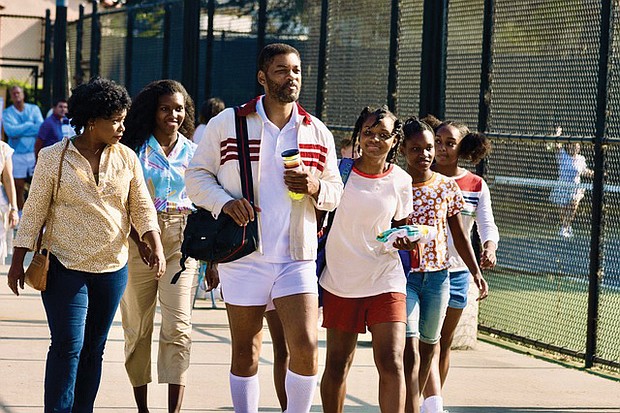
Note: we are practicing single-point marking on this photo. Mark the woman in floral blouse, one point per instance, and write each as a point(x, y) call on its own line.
point(158, 122)
point(88, 216)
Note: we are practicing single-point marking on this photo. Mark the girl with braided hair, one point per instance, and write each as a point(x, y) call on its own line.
point(363, 281)
point(454, 141)
point(438, 202)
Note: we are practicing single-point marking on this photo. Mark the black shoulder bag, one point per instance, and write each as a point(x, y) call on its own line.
point(222, 240)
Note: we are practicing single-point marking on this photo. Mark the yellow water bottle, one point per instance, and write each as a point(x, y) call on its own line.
point(292, 161)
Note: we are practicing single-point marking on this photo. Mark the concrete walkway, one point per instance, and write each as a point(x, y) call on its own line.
point(489, 379)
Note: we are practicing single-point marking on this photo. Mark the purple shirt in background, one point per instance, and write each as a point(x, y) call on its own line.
point(51, 130)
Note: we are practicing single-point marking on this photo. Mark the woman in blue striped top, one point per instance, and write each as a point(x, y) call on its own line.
point(158, 122)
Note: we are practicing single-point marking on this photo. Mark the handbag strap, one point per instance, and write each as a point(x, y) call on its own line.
point(243, 152)
point(62, 157)
point(345, 168)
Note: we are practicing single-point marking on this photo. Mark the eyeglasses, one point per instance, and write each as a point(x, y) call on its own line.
point(368, 133)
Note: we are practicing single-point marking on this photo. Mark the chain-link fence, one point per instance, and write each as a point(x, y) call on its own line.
point(516, 70)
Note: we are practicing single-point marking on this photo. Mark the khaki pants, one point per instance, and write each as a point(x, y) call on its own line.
point(175, 300)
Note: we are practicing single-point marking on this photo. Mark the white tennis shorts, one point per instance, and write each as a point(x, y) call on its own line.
point(251, 281)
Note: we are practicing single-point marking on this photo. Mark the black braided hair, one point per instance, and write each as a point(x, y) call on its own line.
point(413, 126)
point(98, 99)
point(379, 114)
point(140, 122)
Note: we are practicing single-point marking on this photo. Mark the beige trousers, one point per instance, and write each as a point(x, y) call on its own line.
point(138, 310)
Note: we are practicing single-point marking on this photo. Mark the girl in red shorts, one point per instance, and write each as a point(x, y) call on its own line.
point(363, 280)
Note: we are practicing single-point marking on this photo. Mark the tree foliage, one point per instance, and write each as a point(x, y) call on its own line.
point(283, 16)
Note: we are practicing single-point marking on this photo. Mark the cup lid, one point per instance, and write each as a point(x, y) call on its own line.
point(290, 152)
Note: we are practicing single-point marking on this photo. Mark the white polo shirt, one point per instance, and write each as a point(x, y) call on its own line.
point(275, 203)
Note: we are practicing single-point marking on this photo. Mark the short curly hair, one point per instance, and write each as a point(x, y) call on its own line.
point(98, 99)
point(272, 50)
point(140, 122)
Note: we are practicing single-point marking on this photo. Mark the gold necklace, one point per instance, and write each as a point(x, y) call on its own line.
point(84, 148)
point(90, 150)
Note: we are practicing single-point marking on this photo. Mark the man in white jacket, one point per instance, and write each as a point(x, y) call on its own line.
point(282, 270)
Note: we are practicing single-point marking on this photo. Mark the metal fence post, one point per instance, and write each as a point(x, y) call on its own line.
point(191, 35)
point(59, 85)
point(433, 67)
point(486, 70)
point(46, 98)
point(79, 34)
point(426, 65)
point(322, 61)
point(260, 35)
point(209, 56)
point(95, 41)
point(598, 183)
point(36, 82)
point(131, 18)
point(392, 92)
point(441, 48)
point(165, 70)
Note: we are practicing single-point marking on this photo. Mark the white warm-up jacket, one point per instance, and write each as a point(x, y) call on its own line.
point(212, 178)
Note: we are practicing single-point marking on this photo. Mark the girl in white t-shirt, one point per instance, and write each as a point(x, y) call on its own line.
point(363, 281)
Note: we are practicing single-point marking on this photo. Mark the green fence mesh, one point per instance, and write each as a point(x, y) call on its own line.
point(464, 45)
point(545, 66)
point(357, 58)
point(409, 57)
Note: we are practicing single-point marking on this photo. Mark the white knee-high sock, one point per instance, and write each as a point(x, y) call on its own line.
point(245, 392)
point(299, 392)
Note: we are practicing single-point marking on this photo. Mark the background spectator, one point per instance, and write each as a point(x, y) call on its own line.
point(21, 123)
point(54, 127)
point(208, 109)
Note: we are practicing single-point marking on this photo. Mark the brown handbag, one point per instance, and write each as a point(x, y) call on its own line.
point(36, 274)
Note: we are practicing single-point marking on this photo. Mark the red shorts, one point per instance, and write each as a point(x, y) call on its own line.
point(352, 315)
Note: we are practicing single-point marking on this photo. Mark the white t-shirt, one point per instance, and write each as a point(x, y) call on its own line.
point(6, 152)
point(477, 208)
point(357, 264)
point(200, 130)
point(275, 203)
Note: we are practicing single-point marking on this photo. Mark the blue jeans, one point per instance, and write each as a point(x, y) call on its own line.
point(459, 286)
point(80, 308)
point(428, 294)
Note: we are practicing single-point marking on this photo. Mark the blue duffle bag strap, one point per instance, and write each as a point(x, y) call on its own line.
point(345, 168)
